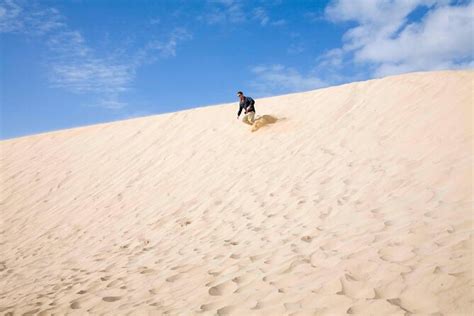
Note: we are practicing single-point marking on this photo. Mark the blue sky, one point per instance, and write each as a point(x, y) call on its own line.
point(79, 62)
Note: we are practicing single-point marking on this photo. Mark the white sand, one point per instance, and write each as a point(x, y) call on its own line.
point(357, 200)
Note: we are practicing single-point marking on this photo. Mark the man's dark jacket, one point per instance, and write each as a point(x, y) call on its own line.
point(247, 103)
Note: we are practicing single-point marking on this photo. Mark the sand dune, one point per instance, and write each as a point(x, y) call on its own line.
point(355, 199)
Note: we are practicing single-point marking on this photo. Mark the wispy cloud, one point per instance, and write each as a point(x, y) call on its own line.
point(279, 79)
point(261, 15)
point(221, 11)
point(295, 48)
point(167, 48)
point(15, 19)
point(155, 21)
point(111, 104)
point(332, 58)
point(389, 42)
point(314, 16)
point(75, 67)
point(9, 17)
point(73, 64)
point(91, 75)
point(279, 22)
point(237, 11)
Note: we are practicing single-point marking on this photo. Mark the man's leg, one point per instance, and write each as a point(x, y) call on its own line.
point(251, 117)
point(245, 119)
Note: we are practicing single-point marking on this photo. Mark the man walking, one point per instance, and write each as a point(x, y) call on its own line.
point(246, 104)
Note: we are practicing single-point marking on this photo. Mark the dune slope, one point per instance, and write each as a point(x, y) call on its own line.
point(357, 200)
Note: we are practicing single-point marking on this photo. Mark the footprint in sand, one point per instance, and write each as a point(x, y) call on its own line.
point(356, 289)
point(213, 273)
point(173, 278)
point(145, 271)
point(396, 253)
point(208, 307)
point(183, 222)
point(111, 298)
point(226, 310)
point(221, 289)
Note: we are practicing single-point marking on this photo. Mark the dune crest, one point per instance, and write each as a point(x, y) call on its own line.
point(358, 202)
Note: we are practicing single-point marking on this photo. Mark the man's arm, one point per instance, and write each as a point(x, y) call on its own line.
point(240, 110)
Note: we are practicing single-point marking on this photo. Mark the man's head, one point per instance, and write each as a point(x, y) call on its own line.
point(240, 94)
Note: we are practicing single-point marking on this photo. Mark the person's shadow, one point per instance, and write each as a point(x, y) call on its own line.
point(261, 121)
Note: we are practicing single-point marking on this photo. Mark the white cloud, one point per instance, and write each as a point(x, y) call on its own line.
point(168, 48)
point(444, 39)
point(279, 22)
point(386, 40)
point(73, 64)
point(261, 15)
point(154, 21)
point(295, 48)
point(112, 104)
point(236, 11)
point(9, 17)
point(314, 16)
point(15, 19)
point(77, 68)
point(333, 58)
point(221, 11)
point(278, 79)
point(68, 44)
point(91, 75)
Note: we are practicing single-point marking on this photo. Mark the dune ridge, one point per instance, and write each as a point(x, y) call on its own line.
point(356, 200)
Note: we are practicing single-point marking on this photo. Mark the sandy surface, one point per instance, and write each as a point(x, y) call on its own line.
point(358, 200)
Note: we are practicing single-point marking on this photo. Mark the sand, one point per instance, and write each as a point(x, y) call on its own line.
point(356, 200)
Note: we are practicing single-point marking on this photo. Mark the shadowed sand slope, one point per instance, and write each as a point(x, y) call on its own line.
point(356, 200)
